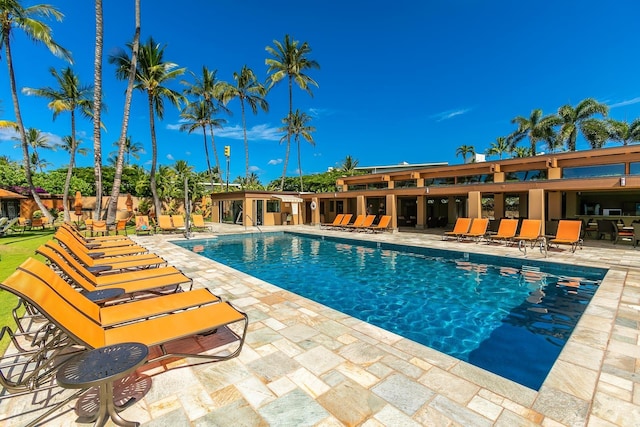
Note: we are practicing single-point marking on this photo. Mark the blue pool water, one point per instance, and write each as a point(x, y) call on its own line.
point(494, 312)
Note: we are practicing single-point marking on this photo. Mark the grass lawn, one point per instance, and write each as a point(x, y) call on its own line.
point(14, 249)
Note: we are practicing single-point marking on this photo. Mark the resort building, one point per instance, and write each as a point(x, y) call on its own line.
point(588, 185)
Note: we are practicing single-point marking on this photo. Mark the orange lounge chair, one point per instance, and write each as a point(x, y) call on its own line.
point(100, 240)
point(343, 222)
point(367, 224)
point(357, 223)
point(178, 222)
point(142, 225)
point(107, 244)
point(165, 224)
point(568, 234)
point(116, 262)
point(529, 234)
point(96, 251)
point(336, 221)
point(506, 231)
point(462, 226)
point(477, 231)
point(81, 328)
point(169, 279)
point(198, 224)
point(385, 220)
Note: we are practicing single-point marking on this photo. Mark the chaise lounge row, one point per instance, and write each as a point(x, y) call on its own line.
point(361, 223)
point(568, 233)
point(152, 303)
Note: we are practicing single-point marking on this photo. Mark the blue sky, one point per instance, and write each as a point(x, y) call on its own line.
point(402, 81)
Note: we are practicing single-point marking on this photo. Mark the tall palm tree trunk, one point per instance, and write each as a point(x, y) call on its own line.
point(154, 158)
point(246, 142)
point(206, 154)
point(23, 135)
point(299, 163)
point(72, 161)
point(286, 157)
point(215, 151)
point(117, 179)
point(97, 107)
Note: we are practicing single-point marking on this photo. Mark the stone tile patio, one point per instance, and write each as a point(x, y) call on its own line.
point(305, 364)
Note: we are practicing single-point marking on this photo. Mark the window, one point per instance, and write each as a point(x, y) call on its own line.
point(273, 206)
point(593, 171)
point(532, 175)
point(411, 183)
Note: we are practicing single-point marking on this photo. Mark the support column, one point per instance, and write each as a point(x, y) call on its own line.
point(536, 205)
point(361, 205)
point(421, 215)
point(498, 205)
point(524, 205)
point(391, 209)
point(315, 213)
point(554, 199)
point(474, 204)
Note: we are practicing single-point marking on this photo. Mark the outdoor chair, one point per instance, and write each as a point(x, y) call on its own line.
point(121, 225)
point(357, 223)
point(366, 224)
point(605, 227)
point(21, 225)
point(102, 240)
point(99, 228)
point(462, 226)
point(529, 234)
point(159, 280)
point(506, 231)
point(115, 262)
point(4, 229)
point(165, 225)
point(636, 233)
point(621, 234)
point(336, 221)
point(94, 251)
point(568, 234)
point(197, 223)
point(142, 225)
point(128, 311)
point(477, 230)
point(346, 218)
point(381, 226)
point(178, 222)
point(76, 328)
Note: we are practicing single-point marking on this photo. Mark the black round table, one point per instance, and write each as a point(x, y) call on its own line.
point(100, 368)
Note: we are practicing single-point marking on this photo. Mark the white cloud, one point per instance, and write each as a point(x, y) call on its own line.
point(262, 132)
point(274, 161)
point(254, 169)
point(625, 103)
point(170, 157)
point(449, 114)
point(174, 127)
point(7, 134)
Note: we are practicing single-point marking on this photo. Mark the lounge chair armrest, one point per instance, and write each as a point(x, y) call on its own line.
point(96, 255)
point(97, 269)
point(92, 245)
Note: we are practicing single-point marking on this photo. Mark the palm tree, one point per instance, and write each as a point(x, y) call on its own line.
point(349, 165)
point(465, 150)
point(122, 141)
point(521, 152)
point(499, 147)
point(14, 15)
point(197, 116)
point(536, 128)
point(297, 125)
point(39, 163)
point(572, 117)
point(131, 149)
point(69, 96)
point(624, 132)
point(211, 91)
point(595, 131)
point(249, 90)
point(35, 140)
point(97, 108)
point(67, 144)
point(152, 74)
point(289, 59)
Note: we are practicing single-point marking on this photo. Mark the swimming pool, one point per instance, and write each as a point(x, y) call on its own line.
point(494, 312)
